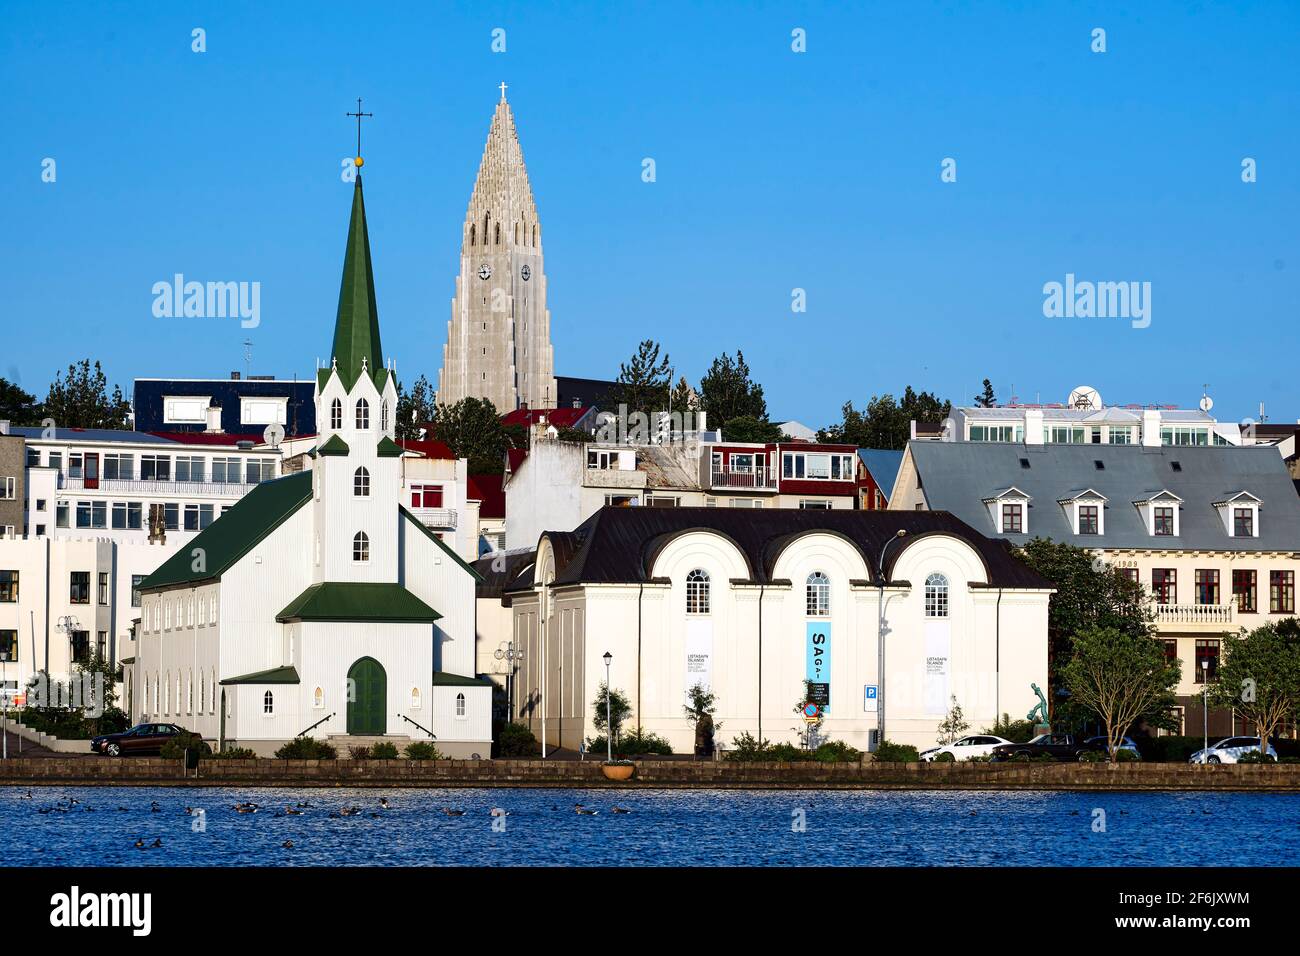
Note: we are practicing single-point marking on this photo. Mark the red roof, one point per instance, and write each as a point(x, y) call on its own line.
point(214, 438)
point(515, 457)
point(429, 449)
point(559, 417)
point(487, 489)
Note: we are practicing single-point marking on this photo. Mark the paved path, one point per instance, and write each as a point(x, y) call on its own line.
point(29, 749)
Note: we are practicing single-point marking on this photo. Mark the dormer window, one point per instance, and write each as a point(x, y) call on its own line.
point(1240, 515)
point(1164, 520)
point(1089, 519)
point(1161, 513)
point(1009, 509)
point(1086, 511)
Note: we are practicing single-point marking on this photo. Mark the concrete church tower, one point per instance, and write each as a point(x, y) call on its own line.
point(499, 337)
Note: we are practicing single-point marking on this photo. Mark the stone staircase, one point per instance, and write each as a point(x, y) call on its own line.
point(343, 741)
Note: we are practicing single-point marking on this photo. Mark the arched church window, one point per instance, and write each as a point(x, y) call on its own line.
point(415, 698)
point(268, 703)
point(819, 595)
point(936, 595)
point(460, 705)
point(361, 483)
point(486, 216)
point(336, 414)
point(534, 233)
point(516, 234)
point(697, 592)
point(318, 698)
point(363, 415)
point(383, 416)
point(361, 546)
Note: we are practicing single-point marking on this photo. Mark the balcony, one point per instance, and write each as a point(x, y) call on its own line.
point(440, 519)
point(133, 486)
point(1196, 617)
point(752, 479)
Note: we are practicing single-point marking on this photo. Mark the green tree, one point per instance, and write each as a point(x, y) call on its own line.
point(985, 398)
point(82, 400)
point(953, 725)
point(18, 406)
point(728, 392)
point(642, 383)
point(472, 429)
point(886, 422)
point(1121, 677)
point(619, 709)
point(746, 428)
point(414, 409)
point(1259, 676)
point(683, 397)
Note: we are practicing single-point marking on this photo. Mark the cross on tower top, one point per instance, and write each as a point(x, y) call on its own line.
point(503, 93)
point(358, 114)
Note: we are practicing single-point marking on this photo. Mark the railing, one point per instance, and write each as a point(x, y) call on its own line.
point(431, 734)
point(436, 517)
point(762, 478)
point(215, 489)
point(1220, 615)
point(303, 733)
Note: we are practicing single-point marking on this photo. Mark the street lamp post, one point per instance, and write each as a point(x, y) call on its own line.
point(512, 657)
point(609, 724)
point(1205, 703)
point(880, 639)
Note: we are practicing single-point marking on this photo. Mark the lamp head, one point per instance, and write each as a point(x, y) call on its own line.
point(608, 657)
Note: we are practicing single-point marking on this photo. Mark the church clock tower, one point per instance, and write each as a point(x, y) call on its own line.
point(499, 336)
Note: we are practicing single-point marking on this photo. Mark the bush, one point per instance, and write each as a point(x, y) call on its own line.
point(837, 751)
point(422, 750)
point(234, 753)
point(889, 752)
point(358, 753)
point(307, 748)
point(945, 757)
point(1092, 756)
point(516, 740)
point(1126, 756)
point(747, 748)
point(633, 743)
point(384, 750)
point(1256, 756)
point(175, 748)
point(1016, 731)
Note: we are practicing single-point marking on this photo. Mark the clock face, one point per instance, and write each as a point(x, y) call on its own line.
point(526, 272)
point(485, 271)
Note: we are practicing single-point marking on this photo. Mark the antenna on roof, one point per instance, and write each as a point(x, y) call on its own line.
point(248, 355)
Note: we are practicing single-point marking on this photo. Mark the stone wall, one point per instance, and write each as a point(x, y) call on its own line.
point(650, 774)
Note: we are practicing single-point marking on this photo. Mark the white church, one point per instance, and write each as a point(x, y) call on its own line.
point(318, 604)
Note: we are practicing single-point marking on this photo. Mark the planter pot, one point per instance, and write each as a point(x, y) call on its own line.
point(617, 771)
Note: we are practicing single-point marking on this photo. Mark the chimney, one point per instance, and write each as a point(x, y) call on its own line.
point(234, 376)
point(214, 420)
point(1151, 427)
point(1033, 426)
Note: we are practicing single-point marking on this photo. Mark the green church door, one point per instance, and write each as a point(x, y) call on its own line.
point(369, 698)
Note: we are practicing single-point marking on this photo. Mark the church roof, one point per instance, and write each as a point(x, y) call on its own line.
point(234, 533)
point(442, 544)
point(443, 679)
point(334, 445)
point(371, 602)
point(356, 328)
point(276, 675)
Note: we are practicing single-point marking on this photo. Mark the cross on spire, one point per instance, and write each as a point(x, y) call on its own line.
point(358, 114)
point(503, 93)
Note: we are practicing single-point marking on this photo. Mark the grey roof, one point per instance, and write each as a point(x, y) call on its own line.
point(92, 434)
point(956, 476)
point(1131, 414)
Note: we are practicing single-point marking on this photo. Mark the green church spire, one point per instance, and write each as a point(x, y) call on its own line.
point(356, 329)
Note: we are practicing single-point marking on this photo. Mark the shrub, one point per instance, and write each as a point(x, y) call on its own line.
point(1092, 756)
point(633, 743)
point(1170, 749)
point(307, 748)
point(787, 753)
point(1017, 731)
point(422, 750)
point(1256, 756)
point(359, 753)
point(889, 752)
point(747, 748)
point(176, 747)
point(837, 751)
point(945, 757)
point(1126, 756)
point(234, 753)
point(384, 750)
point(516, 740)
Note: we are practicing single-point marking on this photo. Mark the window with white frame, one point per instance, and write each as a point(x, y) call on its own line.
point(336, 414)
point(361, 483)
point(818, 597)
point(460, 706)
point(361, 546)
point(268, 703)
point(936, 595)
point(697, 592)
point(383, 416)
point(363, 415)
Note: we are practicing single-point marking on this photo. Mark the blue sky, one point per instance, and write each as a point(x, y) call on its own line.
point(775, 171)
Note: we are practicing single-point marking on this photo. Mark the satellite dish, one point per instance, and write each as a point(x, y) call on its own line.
point(1206, 403)
point(1084, 398)
point(274, 434)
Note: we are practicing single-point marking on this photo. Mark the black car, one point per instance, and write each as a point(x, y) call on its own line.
point(1057, 746)
point(140, 739)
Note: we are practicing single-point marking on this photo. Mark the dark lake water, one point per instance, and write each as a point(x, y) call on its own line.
point(664, 827)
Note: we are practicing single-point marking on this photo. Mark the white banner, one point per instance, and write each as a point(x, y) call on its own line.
point(699, 655)
point(937, 650)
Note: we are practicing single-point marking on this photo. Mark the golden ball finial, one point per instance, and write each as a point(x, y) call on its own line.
point(359, 162)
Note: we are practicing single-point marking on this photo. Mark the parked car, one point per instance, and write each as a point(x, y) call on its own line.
point(139, 740)
point(1058, 746)
point(1230, 750)
point(979, 745)
point(1125, 743)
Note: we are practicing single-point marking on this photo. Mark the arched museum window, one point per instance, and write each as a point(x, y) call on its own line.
point(697, 592)
point(936, 595)
point(460, 705)
point(819, 595)
point(361, 547)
